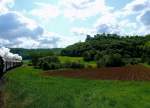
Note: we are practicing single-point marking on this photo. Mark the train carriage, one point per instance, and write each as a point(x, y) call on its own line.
point(7, 64)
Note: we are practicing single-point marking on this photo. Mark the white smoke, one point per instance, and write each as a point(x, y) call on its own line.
point(7, 55)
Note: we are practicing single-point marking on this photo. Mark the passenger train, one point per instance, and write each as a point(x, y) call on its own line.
point(7, 64)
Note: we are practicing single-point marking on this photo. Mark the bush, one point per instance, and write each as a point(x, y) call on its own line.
point(146, 59)
point(89, 55)
point(73, 65)
point(36, 56)
point(45, 66)
point(135, 61)
point(101, 62)
point(97, 56)
point(112, 60)
point(49, 63)
point(52, 63)
point(50, 66)
point(89, 66)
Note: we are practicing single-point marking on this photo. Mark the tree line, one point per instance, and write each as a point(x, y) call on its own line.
point(109, 48)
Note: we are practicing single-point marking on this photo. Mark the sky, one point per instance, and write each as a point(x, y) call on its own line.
point(59, 23)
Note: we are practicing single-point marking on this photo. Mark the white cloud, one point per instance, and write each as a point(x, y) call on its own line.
point(109, 18)
point(51, 39)
point(130, 20)
point(25, 42)
point(82, 9)
point(81, 31)
point(136, 6)
point(144, 18)
point(14, 25)
point(5, 5)
point(45, 11)
point(144, 21)
point(17, 30)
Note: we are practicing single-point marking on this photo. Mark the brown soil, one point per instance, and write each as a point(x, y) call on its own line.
point(137, 72)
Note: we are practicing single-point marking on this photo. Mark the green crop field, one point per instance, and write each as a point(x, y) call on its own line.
point(28, 88)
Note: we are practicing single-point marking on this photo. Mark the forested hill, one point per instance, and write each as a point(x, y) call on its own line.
point(26, 53)
point(104, 44)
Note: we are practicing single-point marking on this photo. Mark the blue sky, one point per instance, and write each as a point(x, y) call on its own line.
point(58, 23)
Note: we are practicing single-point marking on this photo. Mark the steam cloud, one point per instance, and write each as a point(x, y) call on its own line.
point(7, 55)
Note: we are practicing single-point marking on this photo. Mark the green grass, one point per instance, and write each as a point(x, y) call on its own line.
point(146, 65)
point(72, 59)
point(27, 88)
point(64, 59)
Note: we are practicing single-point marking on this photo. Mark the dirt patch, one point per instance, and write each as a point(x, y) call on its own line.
point(137, 72)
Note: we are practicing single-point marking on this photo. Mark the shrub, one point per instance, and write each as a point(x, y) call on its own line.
point(89, 55)
point(146, 59)
point(54, 66)
point(49, 63)
point(89, 66)
point(52, 63)
point(73, 65)
point(112, 60)
point(45, 66)
point(50, 66)
point(101, 62)
point(97, 56)
point(30, 63)
point(135, 61)
point(35, 56)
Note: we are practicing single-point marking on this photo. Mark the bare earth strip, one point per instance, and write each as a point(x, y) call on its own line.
point(136, 73)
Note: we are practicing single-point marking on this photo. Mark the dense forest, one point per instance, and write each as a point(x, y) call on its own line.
point(27, 53)
point(102, 46)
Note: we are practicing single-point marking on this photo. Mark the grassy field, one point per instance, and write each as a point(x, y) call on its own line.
point(27, 88)
point(77, 59)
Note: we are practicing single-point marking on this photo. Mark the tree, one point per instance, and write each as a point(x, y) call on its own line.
point(113, 60)
point(49, 63)
point(89, 55)
point(88, 38)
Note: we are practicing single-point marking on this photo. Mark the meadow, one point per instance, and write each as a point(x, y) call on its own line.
point(26, 87)
point(64, 59)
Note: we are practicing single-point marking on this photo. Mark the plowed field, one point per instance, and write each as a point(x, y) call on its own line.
point(137, 72)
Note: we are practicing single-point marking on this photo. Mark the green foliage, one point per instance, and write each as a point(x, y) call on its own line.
point(107, 44)
point(50, 66)
point(49, 63)
point(45, 66)
point(74, 65)
point(114, 60)
point(35, 56)
point(89, 55)
point(54, 62)
point(132, 61)
point(88, 38)
point(146, 54)
point(26, 53)
point(65, 59)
